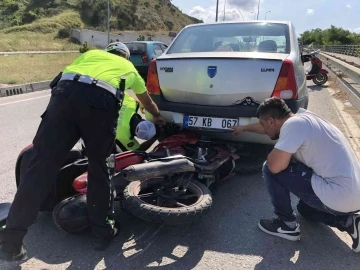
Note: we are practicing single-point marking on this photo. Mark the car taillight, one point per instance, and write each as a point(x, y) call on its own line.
point(286, 87)
point(153, 85)
point(144, 58)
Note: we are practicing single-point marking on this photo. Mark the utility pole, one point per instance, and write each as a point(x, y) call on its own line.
point(108, 20)
point(258, 11)
point(217, 10)
point(267, 13)
point(224, 10)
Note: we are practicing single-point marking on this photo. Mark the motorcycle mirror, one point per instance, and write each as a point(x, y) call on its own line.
point(305, 58)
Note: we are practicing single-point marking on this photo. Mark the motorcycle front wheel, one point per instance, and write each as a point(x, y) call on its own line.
point(320, 79)
point(144, 200)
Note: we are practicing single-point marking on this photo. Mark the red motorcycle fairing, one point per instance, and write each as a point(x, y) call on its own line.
point(311, 76)
point(18, 163)
point(121, 161)
point(80, 183)
point(173, 143)
point(26, 148)
point(222, 152)
point(324, 71)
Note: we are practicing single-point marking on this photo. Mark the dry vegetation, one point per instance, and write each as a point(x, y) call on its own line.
point(30, 41)
point(47, 24)
point(42, 25)
point(33, 68)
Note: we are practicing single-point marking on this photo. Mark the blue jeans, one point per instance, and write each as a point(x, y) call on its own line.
point(296, 178)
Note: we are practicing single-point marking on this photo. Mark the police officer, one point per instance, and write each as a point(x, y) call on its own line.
point(82, 105)
point(131, 124)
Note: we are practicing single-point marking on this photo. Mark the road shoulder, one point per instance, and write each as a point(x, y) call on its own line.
point(348, 116)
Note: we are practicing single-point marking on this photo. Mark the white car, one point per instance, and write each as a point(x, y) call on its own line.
point(214, 75)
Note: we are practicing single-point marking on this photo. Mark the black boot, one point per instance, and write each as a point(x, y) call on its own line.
point(11, 245)
point(100, 244)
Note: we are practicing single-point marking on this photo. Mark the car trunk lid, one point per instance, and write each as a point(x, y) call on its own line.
point(226, 79)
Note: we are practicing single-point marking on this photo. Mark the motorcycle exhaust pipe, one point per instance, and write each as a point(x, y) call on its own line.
point(156, 169)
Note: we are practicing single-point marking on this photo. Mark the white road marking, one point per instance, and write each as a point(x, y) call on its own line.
point(23, 100)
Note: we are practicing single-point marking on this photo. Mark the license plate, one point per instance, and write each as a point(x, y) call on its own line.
point(209, 122)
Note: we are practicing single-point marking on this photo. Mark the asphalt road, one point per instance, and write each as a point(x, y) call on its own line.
point(226, 238)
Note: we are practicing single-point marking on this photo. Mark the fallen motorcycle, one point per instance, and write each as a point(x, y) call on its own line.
point(170, 185)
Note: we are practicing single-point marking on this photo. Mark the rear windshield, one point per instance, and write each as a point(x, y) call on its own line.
point(242, 37)
point(136, 48)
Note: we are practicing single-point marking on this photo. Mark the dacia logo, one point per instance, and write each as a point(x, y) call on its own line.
point(267, 70)
point(167, 69)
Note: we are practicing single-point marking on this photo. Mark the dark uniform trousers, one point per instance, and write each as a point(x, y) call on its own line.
point(75, 110)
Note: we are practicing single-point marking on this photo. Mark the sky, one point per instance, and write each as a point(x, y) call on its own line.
point(304, 14)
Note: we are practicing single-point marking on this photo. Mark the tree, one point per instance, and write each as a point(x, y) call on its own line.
point(330, 36)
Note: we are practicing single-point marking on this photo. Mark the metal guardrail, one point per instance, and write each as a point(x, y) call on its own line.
point(352, 50)
point(349, 70)
point(334, 66)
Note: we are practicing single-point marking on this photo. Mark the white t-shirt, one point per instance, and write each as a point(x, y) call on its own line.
point(322, 146)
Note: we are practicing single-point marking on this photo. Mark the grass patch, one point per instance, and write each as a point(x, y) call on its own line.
point(30, 41)
point(48, 25)
point(32, 68)
point(43, 34)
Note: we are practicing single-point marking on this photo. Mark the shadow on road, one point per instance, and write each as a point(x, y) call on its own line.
point(228, 237)
point(317, 87)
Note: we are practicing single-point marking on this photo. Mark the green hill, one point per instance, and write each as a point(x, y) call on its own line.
point(46, 24)
point(135, 15)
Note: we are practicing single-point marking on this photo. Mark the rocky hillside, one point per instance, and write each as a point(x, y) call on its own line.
point(133, 15)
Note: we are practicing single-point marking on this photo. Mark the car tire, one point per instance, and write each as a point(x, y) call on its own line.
point(254, 161)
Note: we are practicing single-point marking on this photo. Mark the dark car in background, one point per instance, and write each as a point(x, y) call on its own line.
point(142, 52)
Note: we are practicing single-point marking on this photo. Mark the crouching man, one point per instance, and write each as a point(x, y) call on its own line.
point(313, 160)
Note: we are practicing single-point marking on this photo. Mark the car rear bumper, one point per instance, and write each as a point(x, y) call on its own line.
point(175, 112)
point(219, 111)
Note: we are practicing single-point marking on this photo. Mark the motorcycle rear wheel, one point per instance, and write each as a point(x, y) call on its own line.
point(320, 79)
point(71, 215)
point(62, 188)
point(146, 207)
